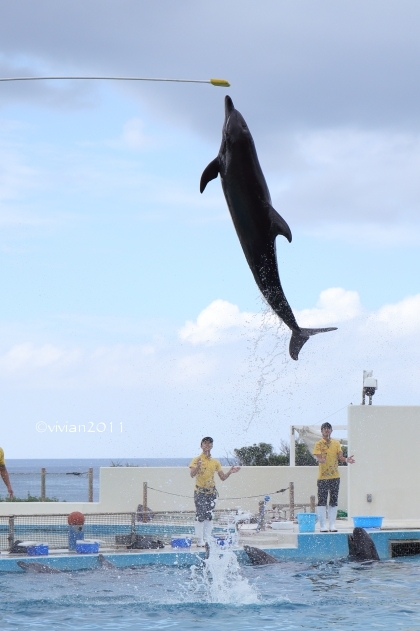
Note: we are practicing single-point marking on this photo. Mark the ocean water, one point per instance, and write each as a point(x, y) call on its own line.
point(61, 483)
point(287, 596)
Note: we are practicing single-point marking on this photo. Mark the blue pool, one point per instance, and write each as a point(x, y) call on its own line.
point(286, 596)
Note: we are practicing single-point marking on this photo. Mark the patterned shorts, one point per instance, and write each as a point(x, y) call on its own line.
point(204, 504)
point(332, 486)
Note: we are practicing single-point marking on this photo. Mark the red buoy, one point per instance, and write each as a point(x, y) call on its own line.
point(76, 519)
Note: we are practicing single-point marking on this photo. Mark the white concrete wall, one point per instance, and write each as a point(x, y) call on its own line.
point(121, 490)
point(47, 508)
point(385, 441)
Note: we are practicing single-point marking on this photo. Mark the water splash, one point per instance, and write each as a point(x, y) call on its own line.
point(219, 579)
point(268, 359)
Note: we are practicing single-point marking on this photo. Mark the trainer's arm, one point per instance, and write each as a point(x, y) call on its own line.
point(224, 476)
point(4, 474)
point(196, 469)
point(349, 460)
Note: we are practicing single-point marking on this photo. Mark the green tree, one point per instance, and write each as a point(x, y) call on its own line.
point(303, 457)
point(263, 455)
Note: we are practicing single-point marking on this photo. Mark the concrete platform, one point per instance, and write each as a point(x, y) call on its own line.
point(285, 546)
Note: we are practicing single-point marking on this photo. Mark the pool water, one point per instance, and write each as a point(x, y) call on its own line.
point(286, 596)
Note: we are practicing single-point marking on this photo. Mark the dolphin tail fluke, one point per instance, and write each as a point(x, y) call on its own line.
point(210, 173)
point(299, 338)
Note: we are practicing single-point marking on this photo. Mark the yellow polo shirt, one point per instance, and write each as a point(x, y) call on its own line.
point(2, 463)
point(205, 477)
point(328, 470)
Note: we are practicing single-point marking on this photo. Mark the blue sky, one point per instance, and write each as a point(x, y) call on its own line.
point(125, 293)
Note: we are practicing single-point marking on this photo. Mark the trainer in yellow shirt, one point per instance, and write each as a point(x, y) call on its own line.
point(328, 453)
point(203, 468)
point(4, 474)
point(204, 479)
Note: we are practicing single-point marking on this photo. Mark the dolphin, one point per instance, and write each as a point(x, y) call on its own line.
point(256, 222)
point(361, 546)
point(37, 568)
point(259, 557)
point(104, 563)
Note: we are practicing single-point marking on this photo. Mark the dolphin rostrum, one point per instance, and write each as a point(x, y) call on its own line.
point(256, 222)
point(361, 546)
point(259, 557)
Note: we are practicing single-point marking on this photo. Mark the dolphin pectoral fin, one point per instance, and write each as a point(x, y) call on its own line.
point(299, 338)
point(211, 172)
point(278, 225)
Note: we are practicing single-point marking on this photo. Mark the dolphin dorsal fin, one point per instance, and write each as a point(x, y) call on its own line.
point(278, 224)
point(211, 172)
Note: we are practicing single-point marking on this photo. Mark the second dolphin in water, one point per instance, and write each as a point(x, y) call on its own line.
point(256, 222)
point(361, 546)
point(37, 568)
point(259, 557)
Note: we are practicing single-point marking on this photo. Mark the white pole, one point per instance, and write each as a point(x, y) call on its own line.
point(292, 457)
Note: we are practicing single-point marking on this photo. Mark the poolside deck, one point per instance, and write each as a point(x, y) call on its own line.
point(284, 545)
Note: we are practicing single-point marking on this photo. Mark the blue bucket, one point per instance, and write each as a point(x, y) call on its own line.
point(368, 521)
point(307, 522)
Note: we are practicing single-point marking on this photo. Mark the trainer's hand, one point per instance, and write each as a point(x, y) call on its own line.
point(350, 460)
point(234, 470)
point(198, 466)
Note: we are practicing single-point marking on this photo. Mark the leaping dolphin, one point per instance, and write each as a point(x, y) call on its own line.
point(256, 222)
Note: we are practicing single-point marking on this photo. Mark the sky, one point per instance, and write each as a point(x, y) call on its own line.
point(130, 323)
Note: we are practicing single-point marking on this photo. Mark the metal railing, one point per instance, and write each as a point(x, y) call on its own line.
point(43, 480)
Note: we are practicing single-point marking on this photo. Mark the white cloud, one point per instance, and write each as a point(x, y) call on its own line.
point(352, 184)
point(27, 357)
point(220, 321)
point(228, 371)
point(334, 305)
point(400, 319)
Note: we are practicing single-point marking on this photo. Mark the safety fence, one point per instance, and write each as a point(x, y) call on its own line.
point(121, 529)
point(111, 529)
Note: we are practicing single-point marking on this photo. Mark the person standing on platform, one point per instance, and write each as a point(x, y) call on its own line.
point(4, 474)
point(203, 468)
point(328, 453)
